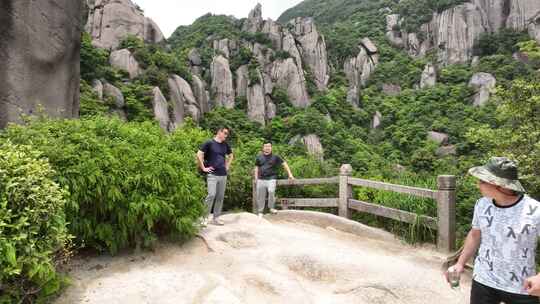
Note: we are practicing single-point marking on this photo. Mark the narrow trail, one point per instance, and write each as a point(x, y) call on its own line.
point(292, 257)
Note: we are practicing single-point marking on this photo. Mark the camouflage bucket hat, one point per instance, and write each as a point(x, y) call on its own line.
point(499, 171)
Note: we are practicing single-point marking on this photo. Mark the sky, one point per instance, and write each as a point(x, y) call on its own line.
point(169, 14)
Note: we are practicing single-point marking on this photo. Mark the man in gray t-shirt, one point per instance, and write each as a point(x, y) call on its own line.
point(266, 166)
point(505, 230)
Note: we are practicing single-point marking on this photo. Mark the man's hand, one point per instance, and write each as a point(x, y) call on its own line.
point(532, 285)
point(458, 267)
point(208, 169)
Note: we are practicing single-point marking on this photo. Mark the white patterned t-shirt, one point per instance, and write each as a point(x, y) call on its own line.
point(508, 243)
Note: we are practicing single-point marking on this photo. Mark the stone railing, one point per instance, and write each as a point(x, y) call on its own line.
point(445, 195)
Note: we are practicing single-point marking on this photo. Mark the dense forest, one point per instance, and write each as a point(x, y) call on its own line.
point(111, 182)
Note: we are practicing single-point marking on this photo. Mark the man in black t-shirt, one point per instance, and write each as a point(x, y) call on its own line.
point(266, 166)
point(214, 159)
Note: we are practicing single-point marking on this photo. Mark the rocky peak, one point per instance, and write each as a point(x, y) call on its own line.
point(111, 21)
point(454, 31)
point(312, 47)
point(254, 21)
point(358, 69)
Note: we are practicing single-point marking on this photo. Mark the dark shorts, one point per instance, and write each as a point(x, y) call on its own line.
point(482, 294)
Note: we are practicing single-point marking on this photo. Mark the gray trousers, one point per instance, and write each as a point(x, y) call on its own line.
point(216, 193)
point(264, 186)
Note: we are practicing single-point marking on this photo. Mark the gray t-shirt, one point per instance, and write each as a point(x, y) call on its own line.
point(508, 243)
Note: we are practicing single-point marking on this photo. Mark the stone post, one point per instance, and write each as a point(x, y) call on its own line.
point(345, 190)
point(446, 212)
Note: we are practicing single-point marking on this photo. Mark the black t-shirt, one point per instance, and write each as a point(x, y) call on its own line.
point(214, 156)
point(268, 165)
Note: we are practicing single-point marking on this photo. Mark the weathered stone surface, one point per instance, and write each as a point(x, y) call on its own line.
point(289, 45)
point(438, 137)
point(200, 93)
point(522, 13)
point(182, 97)
point(534, 27)
point(273, 30)
point(453, 32)
point(256, 103)
point(111, 21)
point(369, 46)
point(483, 84)
point(254, 21)
point(160, 107)
point(39, 58)
point(429, 76)
point(225, 47)
point(521, 57)
point(312, 50)
point(114, 93)
point(97, 87)
point(124, 60)
point(391, 89)
point(376, 121)
point(446, 150)
point(222, 90)
point(242, 80)
point(194, 57)
point(392, 30)
point(313, 145)
point(286, 75)
point(271, 109)
point(358, 70)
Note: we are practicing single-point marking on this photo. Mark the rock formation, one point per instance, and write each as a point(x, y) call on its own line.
point(254, 21)
point(183, 100)
point(124, 60)
point(376, 121)
point(114, 94)
point(429, 76)
point(358, 69)
point(438, 137)
point(312, 49)
point(313, 146)
point(453, 32)
point(201, 94)
point(97, 87)
point(256, 107)
point(222, 90)
point(111, 21)
point(288, 76)
point(483, 84)
point(242, 80)
point(39, 58)
point(160, 107)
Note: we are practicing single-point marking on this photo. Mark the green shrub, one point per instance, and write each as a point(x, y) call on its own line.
point(89, 103)
point(129, 183)
point(33, 234)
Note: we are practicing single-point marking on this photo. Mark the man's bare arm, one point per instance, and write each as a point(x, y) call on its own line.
point(230, 159)
point(286, 166)
point(200, 162)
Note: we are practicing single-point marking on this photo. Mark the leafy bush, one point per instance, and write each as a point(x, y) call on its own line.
point(33, 234)
point(502, 42)
point(196, 35)
point(517, 134)
point(504, 68)
point(89, 103)
point(128, 182)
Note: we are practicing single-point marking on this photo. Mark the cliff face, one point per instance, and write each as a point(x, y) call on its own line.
point(110, 21)
point(39, 55)
point(454, 31)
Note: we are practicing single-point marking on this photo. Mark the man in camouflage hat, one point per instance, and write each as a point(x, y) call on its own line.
point(505, 229)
